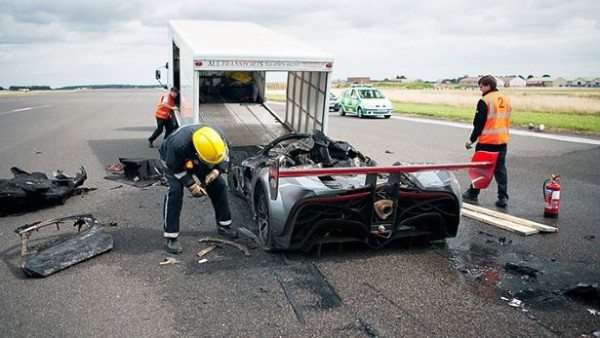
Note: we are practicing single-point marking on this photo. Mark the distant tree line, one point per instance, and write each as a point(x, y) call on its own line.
point(109, 86)
point(29, 88)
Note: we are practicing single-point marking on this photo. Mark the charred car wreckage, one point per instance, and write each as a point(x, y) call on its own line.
point(27, 190)
point(306, 189)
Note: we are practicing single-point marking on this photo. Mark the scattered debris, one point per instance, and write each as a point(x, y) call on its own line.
point(115, 168)
point(584, 291)
point(596, 334)
point(138, 172)
point(28, 190)
point(204, 260)
point(67, 251)
point(205, 251)
point(117, 187)
point(246, 232)
point(240, 247)
point(113, 224)
point(521, 269)
point(589, 237)
point(485, 233)
point(364, 327)
point(504, 299)
point(503, 241)
point(169, 261)
point(515, 302)
point(37, 152)
point(594, 312)
point(83, 191)
point(389, 152)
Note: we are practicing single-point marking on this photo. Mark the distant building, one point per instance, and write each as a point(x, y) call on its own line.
point(546, 82)
point(359, 79)
point(469, 81)
point(583, 82)
point(444, 83)
point(513, 81)
point(473, 81)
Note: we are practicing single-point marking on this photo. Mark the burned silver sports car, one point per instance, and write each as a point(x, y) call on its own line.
point(306, 189)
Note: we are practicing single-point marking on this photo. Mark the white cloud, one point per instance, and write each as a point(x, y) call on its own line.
point(67, 42)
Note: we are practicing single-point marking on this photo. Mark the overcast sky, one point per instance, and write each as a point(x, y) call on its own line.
point(70, 42)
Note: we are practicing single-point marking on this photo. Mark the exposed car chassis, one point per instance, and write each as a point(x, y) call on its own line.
point(306, 190)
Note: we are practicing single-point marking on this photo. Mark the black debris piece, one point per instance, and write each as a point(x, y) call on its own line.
point(88, 241)
point(590, 237)
point(137, 172)
point(83, 190)
point(361, 325)
point(29, 191)
point(389, 152)
point(586, 292)
point(521, 269)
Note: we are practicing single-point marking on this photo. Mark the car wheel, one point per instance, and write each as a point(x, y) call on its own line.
point(360, 113)
point(388, 116)
point(342, 111)
point(265, 234)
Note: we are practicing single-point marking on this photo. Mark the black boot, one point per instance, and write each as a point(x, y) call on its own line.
point(227, 231)
point(469, 196)
point(173, 246)
point(501, 202)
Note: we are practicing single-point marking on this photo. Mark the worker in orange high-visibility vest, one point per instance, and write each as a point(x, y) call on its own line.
point(164, 110)
point(490, 131)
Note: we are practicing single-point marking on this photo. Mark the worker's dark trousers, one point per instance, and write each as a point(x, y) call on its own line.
point(500, 175)
point(161, 124)
point(217, 192)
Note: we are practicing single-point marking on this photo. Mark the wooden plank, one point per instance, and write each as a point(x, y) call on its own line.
point(501, 223)
point(535, 225)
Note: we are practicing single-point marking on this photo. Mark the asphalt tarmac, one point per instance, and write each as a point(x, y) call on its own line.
point(451, 288)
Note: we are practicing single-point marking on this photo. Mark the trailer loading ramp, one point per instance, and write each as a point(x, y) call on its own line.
point(245, 124)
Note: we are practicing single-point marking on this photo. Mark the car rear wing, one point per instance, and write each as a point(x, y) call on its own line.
point(480, 170)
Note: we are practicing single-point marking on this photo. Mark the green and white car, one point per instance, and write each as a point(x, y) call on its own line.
point(365, 101)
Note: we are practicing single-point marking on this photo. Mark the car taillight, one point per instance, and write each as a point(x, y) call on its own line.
point(198, 63)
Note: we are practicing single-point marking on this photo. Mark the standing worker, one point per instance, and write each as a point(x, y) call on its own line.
point(490, 131)
point(201, 151)
point(164, 110)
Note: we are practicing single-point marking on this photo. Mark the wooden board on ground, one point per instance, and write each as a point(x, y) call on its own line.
point(501, 223)
point(535, 225)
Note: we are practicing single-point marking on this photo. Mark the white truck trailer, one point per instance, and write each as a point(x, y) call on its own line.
point(220, 69)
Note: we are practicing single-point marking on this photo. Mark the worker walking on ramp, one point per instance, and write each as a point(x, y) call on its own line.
point(201, 151)
point(163, 114)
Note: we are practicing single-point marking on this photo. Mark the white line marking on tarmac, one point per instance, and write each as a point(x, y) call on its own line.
point(512, 131)
point(469, 126)
point(23, 109)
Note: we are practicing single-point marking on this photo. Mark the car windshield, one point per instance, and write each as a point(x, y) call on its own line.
point(370, 94)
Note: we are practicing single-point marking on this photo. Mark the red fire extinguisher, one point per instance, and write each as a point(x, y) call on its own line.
point(552, 196)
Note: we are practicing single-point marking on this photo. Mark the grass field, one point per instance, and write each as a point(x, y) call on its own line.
point(560, 109)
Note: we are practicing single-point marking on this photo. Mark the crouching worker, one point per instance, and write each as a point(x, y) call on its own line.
point(201, 151)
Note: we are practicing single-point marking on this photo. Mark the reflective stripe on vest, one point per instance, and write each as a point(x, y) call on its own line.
point(161, 112)
point(495, 130)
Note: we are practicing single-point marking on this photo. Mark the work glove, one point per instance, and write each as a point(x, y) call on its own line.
point(469, 145)
point(196, 190)
point(211, 176)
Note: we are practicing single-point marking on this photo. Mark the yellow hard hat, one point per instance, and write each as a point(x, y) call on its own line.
point(210, 146)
